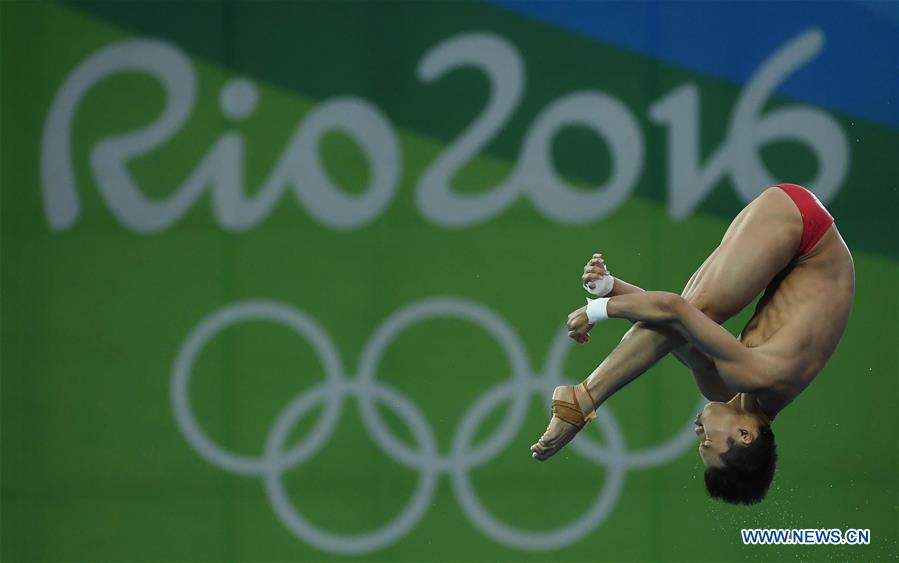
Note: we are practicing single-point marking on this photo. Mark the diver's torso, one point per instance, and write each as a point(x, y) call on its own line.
point(803, 313)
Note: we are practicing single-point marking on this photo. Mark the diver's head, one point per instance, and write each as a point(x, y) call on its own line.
point(738, 450)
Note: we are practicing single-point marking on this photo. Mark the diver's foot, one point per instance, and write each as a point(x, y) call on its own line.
point(572, 410)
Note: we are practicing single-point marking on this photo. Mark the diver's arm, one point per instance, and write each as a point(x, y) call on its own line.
point(736, 364)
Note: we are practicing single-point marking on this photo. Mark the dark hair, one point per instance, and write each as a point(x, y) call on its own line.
point(747, 472)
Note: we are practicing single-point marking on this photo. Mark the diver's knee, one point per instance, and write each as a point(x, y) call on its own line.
point(710, 307)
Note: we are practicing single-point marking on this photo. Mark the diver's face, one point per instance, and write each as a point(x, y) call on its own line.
point(719, 422)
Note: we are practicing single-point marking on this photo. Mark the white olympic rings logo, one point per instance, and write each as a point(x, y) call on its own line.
point(366, 390)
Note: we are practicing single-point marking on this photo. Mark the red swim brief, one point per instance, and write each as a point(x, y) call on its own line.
point(815, 218)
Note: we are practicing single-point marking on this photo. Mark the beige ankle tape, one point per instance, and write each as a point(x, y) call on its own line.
point(592, 414)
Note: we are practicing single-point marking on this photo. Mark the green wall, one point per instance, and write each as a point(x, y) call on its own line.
point(414, 316)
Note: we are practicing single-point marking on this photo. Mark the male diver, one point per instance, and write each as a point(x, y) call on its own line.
point(784, 242)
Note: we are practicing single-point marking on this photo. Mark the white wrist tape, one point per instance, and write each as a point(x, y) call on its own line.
point(597, 309)
point(603, 286)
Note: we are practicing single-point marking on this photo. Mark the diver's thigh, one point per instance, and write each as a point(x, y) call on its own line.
point(760, 243)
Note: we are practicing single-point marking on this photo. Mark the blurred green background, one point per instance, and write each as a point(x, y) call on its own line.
point(333, 169)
